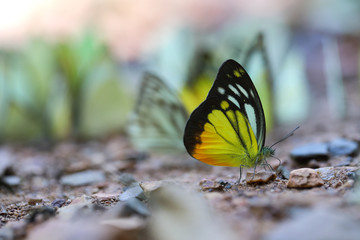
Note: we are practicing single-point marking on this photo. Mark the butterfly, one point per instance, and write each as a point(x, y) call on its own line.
point(199, 79)
point(158, 120)
point(228, 128)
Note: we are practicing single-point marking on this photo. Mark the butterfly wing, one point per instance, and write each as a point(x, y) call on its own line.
point(228, 128)
point(159, 118)
point(234, 83)
point(199, 79)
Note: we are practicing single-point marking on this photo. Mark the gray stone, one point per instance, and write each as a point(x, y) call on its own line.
point(13, 181)
point(83, 178)
point(3, 210)
point(134, 191)
point(134, 205)
point(127, 179)
point(327, 173)
point(283, 171)
point(305, 153)
point(343, 146)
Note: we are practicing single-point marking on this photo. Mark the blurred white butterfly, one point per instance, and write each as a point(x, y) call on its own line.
point(158, 120)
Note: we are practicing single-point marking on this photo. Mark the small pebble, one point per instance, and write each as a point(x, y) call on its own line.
point(137, 156)
point(127, 179)
point(283, 171)
point(305, 153)
point(41, 214)
point(352, 175)
point(343, 146)
point(3, 210)
point(211, 185)
point(150, 186)
point(12, 181)
point(134, 205)
point(132, 192)
point(261, 176)
point(34, 201)
point(304, 178)
point(83, 178)
point(58, 203)
point(327, 173)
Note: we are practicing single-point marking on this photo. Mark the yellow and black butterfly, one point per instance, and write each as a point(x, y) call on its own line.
point(228, 128)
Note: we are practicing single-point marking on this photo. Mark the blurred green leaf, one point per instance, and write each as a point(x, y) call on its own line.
point(334, 80)
point(47, 84)
point(291, 89)
point(107, 101)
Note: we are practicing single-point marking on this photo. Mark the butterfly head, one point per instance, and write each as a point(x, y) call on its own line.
point(266, 152)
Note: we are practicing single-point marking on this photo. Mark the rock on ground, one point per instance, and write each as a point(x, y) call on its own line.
point(304, 178)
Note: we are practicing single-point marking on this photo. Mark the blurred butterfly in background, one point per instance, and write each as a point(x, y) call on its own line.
point(228, 128)
point(199, 79)
point(158, 120)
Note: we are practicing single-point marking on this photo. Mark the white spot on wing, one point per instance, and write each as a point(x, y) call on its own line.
point(233, 100)
point(242, 90)
point(252, 94)
point(221, 90)
point(232, 88)
point(252, 117)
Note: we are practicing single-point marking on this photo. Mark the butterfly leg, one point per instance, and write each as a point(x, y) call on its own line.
point(278, 160)
point(266, 164)
point(253, 173)
point(238, 181)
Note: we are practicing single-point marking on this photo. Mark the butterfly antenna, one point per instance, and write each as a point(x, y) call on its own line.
point(286, 137)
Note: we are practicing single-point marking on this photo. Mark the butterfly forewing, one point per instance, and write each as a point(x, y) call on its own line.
point(234, 84)
point(159, 118)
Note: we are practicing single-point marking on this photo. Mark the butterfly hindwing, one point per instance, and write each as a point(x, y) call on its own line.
point(228, 128)
point(158, 121)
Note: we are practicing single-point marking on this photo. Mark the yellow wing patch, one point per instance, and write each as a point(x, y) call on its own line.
point(222, 143)
point(192, 96)
point(238, 72)
point(224, 105)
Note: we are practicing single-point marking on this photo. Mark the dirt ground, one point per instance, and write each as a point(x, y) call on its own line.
point(174, 190)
